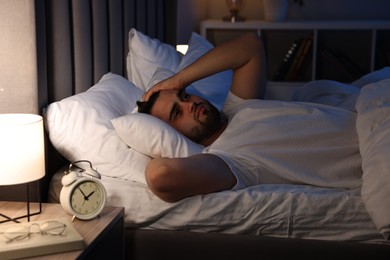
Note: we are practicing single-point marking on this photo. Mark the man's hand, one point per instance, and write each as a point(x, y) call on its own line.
point(174, 82)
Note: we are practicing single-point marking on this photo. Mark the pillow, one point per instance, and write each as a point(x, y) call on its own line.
point(80, 127)
point(145, 55)
point(159, 75)
point(213, 88)
point(153, 137)
point(373, 128)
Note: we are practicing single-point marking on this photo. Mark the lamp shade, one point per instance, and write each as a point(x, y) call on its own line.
point(22, 154)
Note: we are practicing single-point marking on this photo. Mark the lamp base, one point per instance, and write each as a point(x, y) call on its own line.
point(29, 214)
point(233, 19)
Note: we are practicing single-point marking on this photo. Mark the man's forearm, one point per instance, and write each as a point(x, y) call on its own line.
point(173, 179)
point(230, 55)
point(244, 55)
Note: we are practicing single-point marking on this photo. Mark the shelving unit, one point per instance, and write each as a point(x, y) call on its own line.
point(340, 50)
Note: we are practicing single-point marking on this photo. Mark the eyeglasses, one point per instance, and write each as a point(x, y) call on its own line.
point(19, 232)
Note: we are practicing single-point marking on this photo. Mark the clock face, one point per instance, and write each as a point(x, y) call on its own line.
point(87, 198)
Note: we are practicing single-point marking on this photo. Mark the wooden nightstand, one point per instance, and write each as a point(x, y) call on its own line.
point(103, 236)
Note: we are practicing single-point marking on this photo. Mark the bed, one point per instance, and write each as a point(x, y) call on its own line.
point(95, 120)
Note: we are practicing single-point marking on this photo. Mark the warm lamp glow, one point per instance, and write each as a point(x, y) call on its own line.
point(234, 6)
point(22, 156)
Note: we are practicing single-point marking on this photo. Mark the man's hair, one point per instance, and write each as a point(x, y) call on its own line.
point(146, 106)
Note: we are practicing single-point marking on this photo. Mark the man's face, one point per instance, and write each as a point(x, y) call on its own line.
point(191, 115)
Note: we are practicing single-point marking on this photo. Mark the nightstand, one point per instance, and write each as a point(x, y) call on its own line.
point(103, 236)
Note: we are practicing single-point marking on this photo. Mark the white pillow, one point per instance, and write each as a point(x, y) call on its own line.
point(80, 127)
point(213, 88)
point(153, 137)
point(146, 55)
point(159, 75)
point(373, 128)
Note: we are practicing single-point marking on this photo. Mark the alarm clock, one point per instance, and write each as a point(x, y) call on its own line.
point(82, 195)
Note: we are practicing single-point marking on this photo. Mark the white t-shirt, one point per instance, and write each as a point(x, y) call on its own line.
point(289, 142)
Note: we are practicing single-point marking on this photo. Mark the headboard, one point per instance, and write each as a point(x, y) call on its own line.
point(78, 41)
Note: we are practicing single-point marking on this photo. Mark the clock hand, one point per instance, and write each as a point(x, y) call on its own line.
point(89, 195)
point(85, 196)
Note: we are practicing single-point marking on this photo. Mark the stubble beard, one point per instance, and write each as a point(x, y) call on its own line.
point(207, 127)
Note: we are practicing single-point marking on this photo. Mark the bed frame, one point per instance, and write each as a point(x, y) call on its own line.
point(77, 42)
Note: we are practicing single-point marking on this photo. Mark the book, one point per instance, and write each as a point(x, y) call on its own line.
point(296, 58)
point(288, 59)
point(302, 54)
point(40, 244)
point(341, 64)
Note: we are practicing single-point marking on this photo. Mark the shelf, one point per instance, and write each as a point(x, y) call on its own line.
point(296, 24)
point(341, 50)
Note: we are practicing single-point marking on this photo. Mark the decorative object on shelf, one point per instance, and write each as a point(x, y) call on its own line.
point(83, 196)
point(275, 10)
point(22, 154)
point(234, 7)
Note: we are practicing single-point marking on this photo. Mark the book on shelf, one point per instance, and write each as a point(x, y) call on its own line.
point(300, 58)
point(288, 59)
point(294, 58)
point(37, 244)
point(342, 64)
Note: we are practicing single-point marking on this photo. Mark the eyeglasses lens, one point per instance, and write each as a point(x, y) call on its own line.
point(16, 233)
point(53, 228)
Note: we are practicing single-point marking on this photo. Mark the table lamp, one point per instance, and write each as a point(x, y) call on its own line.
point(234, 6)
point(22, 154)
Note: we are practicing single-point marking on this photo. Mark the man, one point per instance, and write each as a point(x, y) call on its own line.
point(252, 141)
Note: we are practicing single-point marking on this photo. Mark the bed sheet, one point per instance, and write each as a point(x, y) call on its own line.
point(296, 211)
